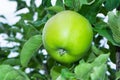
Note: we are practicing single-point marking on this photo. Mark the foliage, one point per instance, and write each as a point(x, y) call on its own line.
point(31, 53)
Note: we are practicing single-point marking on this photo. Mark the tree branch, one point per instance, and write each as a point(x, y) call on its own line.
point(117, 58)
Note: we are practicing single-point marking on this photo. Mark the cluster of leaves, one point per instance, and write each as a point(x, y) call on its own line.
point(93, 67)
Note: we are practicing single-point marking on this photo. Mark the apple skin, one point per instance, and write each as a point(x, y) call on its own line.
point(67, 36)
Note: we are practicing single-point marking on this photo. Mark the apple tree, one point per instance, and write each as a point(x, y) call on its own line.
point(33, 60)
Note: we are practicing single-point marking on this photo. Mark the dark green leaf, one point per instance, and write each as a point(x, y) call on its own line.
point(46, 3)
point(21, 4)
point(111, 4)
point(112, 50)
point(77, 4)
point(29, 31)
point(73, 4)
point(41, 12)
point(2, 16)
point(38, 76)
point(32, 7)
point(27, 16)
point(59, 3)
point(69, 3)
point(39, 23)
point(90, 11)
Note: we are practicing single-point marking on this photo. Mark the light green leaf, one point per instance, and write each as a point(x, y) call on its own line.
point(67, 74)
point(9, 73)
point(114, 24)
point(101, 59)
point(83, 71)
point(102, 29)
point(60, 78)
point(91, 57)
point(29, 48)
point(96, 50)
point(117, 75)
point(99, 73)
point(11, 61)
point(55, 71)
point(55, 8)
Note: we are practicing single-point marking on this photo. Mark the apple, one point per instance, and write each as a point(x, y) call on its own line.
point(67, 36)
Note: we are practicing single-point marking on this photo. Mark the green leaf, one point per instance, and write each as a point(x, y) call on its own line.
point(69, 3)
point(30, 31)
point(117, 75)
point(102, 29)
point(95, 70)
point(86, 2)
point(99, 73)
point(32, 6)
point(55, 71)
point(66, 74)
point(112, 50)
point(37, 23)
point(60, 78)
point(90, 11)
point(59, 3)
point(101, 59)
point(91, 57)
point(26, 16)
point(83, 71)
point(111, 4)
point(55, 8)
point(73, 4)
point(20, 4)
point(114, 24)
point(11, 61)
point(96, 50)
point(29, 48)
point(77, 4)
point(9, 73)
point(46, 3)
point(36, 76)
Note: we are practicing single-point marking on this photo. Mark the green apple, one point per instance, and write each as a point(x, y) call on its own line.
point(67, 36)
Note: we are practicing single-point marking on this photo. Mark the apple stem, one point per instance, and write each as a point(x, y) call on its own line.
point(61, 52)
